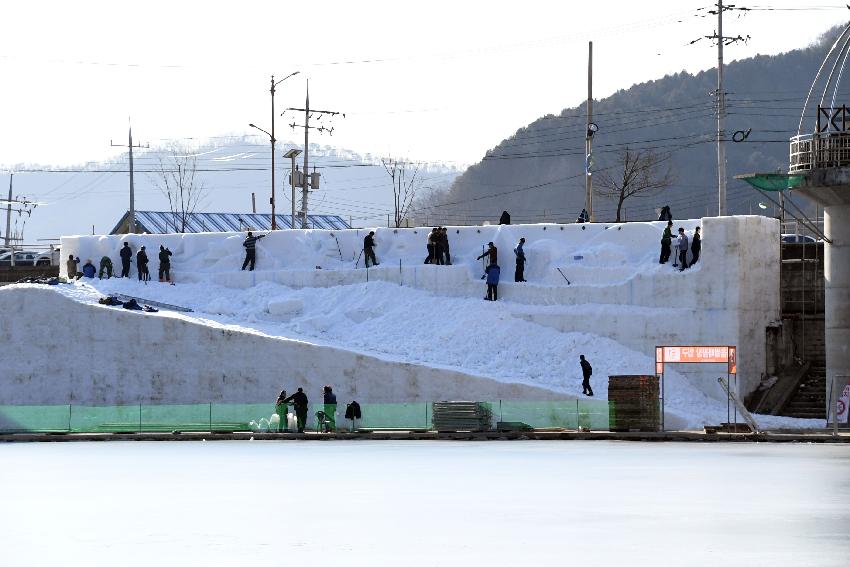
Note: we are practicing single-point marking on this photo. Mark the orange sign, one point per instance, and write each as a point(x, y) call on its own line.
point(696, 354)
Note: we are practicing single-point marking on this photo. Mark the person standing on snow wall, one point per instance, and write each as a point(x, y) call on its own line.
point(164, 264)
point(682, 248)
point(126, 256)
point(447, 257)
point(142, 264)
point(586, 372)
point(105, 266)
point(666, 240)
point(329, 399)
point(492, 252)
point(369, 249)
point(696, 246)
point(300, 403)
point(519, 275)
point(250, 245)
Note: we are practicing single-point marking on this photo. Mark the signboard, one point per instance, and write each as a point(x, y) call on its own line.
point(696, 354)
point(842, 405)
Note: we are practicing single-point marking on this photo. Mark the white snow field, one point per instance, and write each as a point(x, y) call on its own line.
point(426, 503)
point(312, 315)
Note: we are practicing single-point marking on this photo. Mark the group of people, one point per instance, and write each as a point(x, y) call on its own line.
point(300, 404)
point(88, 270)
point(682, 246)
point(438, 247)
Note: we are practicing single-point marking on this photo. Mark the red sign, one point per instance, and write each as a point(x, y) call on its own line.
point(696, 354)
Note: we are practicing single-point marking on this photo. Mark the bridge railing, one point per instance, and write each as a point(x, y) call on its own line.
point(813, 151)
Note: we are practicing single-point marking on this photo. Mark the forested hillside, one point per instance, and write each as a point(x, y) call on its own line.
point(538, 173)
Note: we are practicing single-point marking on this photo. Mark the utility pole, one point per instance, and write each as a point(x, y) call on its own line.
point(309, 181)
point(720, 96)
point(130, 146)
point(9, 212)
point(721, 117)
point(293, 180)
point(589, 134)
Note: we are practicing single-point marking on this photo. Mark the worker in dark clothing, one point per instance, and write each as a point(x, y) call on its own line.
point(696, 246)
point(438, 246)
point(682, 249)
point(250, 245)
point(300, 403)
point(329, 399)
point(583, 216)
point(73, 266)
point(586, 371)
point(164, 264)
point(369, 249)
point(447, 257)
point(433, 236)
point(666, 240)
point(493, 282)
point(105, 266)
point(665, 214)
point(519, 275)
point(505, 218)
point(126, 256)
point(142, 264)
point(492, 253)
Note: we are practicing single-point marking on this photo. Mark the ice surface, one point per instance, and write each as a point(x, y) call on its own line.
point(423, 503)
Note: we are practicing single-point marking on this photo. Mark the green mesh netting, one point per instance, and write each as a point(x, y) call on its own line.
point(773, 181)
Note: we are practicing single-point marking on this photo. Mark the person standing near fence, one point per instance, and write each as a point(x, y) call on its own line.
point(369, 249)
point(300, 403)
point(126, 256)
point(586, 372)
point(329, 399)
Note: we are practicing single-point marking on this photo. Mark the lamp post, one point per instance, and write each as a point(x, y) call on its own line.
point(272, 138)
point(292, 154)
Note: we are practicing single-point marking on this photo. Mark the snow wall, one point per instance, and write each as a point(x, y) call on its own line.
point(616, 290)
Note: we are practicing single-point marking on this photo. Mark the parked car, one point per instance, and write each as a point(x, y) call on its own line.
point(26, 259)
point(21, 259)
point(797, 238)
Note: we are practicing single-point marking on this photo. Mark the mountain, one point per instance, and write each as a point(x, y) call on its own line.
point(538, 173)
point(92, 197)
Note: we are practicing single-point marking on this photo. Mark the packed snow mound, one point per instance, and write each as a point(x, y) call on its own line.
point(401, 324)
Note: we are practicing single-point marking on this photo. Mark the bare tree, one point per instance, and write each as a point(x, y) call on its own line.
point(177, 181)
point(640, 173)
point(404, 186)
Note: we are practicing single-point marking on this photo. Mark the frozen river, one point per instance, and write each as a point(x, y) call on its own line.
point(423, 503)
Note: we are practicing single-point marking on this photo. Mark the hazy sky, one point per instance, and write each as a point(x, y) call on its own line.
point(431, 80)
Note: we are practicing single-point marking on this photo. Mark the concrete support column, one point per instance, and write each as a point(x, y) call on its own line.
point(837, 291)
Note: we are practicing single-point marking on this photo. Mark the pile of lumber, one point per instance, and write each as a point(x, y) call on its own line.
point(634, 402)
point(461, 416)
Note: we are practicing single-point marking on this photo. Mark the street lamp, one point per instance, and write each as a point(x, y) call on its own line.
point(272, 138)
point(292, 154)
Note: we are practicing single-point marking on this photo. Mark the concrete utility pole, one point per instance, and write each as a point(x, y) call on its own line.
point(307, 178)
point(292, 154)
point(9, 213)
point(132, 220)
point(588, 139)
point(721, 117)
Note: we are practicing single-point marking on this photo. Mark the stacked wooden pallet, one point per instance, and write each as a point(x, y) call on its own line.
point(634, 401)
point(461, 416)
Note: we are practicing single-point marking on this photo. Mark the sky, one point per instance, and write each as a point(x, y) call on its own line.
point(437, 81)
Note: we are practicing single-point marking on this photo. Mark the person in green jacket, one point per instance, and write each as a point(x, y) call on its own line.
point(666, 240)
point(281, 408)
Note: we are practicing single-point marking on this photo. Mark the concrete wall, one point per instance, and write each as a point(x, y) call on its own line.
point(92, 354)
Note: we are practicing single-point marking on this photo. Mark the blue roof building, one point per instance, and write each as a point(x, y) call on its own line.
point(165, 222)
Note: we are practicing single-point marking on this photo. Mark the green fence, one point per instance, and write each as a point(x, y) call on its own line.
point(69, 418)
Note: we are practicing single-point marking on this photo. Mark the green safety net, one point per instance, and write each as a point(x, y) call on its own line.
point(772, 181)
point(159, 418)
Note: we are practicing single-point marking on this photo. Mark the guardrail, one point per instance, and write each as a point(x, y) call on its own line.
point(813, 151)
